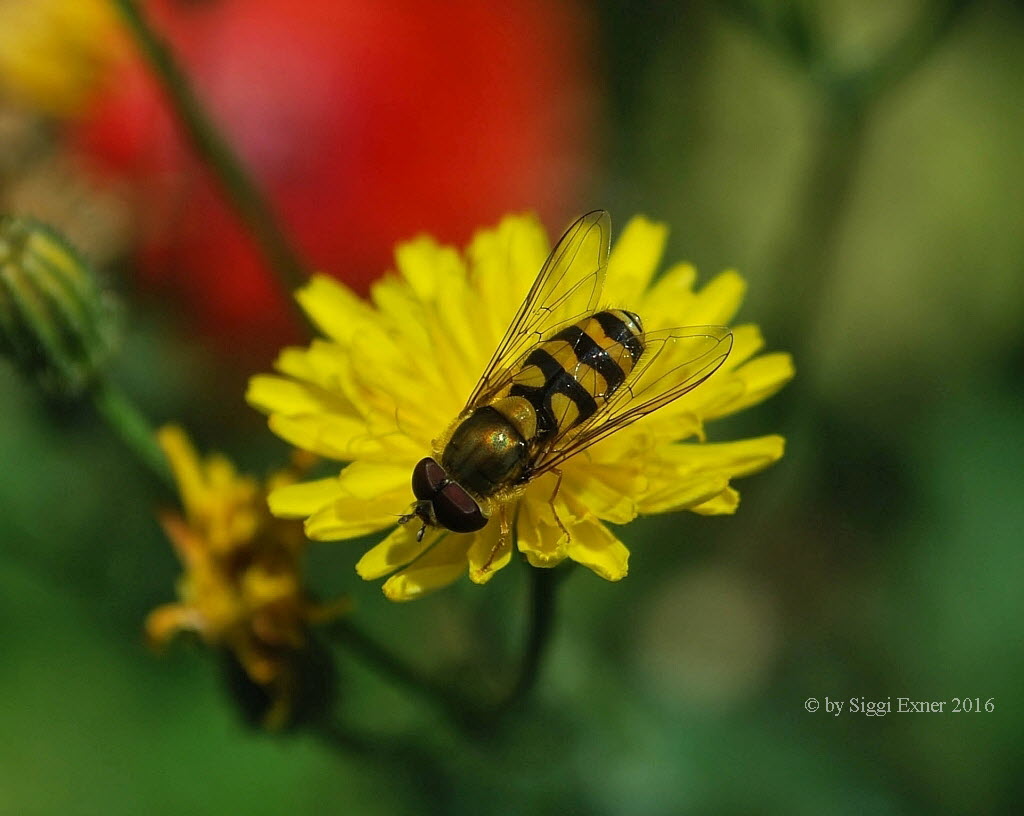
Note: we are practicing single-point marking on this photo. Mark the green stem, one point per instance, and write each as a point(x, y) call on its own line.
point(355, 640)
point(238, 186)
point(128, 422)
point(805, 258)
point(911, 50)
point(543, 586)
point(468, 714)
point(849, 97)
point(409, 762)
point(344, 740)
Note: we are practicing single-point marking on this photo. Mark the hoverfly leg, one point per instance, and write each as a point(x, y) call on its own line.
point(404, 519)
point(417, 512)
point(554, 510)
point(504, 537)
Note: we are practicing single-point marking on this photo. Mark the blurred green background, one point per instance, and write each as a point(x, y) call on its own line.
point(861, 163)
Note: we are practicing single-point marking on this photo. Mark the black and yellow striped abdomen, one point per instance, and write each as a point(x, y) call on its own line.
point(572, 373)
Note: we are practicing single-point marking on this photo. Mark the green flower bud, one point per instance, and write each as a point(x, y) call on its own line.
point(55, 321)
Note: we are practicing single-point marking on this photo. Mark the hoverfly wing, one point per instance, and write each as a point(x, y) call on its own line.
point(674, 362)
point(569, 285)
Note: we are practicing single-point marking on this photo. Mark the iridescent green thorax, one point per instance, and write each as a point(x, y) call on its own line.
point(487, 451)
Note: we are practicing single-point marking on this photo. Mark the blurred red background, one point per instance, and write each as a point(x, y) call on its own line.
point(366, 121)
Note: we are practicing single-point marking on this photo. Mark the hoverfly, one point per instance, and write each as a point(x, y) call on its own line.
point(565, 375)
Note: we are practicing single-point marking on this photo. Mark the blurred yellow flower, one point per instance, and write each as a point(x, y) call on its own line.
point(393, 374)
point(242, 588)
point(53, 52)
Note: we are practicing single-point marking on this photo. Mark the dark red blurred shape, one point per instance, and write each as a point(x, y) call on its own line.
point(368, 121)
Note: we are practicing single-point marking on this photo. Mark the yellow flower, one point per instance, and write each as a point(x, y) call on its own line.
point(242, 588)
point(393, 374)
point(53, 52)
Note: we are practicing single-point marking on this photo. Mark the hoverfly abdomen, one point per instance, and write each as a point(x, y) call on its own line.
point(572, 373)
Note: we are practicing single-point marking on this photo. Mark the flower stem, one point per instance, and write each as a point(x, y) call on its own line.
point(848, 98)
point(468, 714)
point(358, 642)
point(543, 586)
point(238, 186)
point(409, 762)
point(128, 422)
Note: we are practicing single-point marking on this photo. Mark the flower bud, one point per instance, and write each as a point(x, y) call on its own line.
point(55, 321)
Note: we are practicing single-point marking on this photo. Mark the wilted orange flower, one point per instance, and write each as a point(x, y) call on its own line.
point(242, 587)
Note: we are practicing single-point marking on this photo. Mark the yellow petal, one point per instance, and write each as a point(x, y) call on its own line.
point(634, 259)
point(593, 545)
point(537, 536)
point(445, 563)
point(681, 494)
point(718, 301)
point(460, 346)
point(323, 364)
point(325, 374)
point(191, 548)
point(368, 480)
point(349, 518)
point(399, 306)
point(606, 490)
point(304, 498)
point(311, 416)
point(269, 393)
point(166, 621)
point(371, 497)
point(685, 476)
point(503, 264)
point(666, 302)
point(487, 553)
point(678, 420)
point(273, 394)
point(185, 465)
point(685, 416)
point(747, 340)
point(329, 435)
point(760, 378)
point(398, 549)
point(392, 378)
point(725, 503)
point(333, 307)
point(262, 587)
point(428, 267)
point(739, 458)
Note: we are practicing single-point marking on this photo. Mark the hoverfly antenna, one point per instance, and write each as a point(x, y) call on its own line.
point(419, 535)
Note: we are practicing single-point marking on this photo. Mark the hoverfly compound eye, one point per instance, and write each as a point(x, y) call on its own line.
point(457, 510)
point(442, 501)
point(428, 477)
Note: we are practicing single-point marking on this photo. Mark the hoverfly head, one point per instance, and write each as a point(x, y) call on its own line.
point(442, 502)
